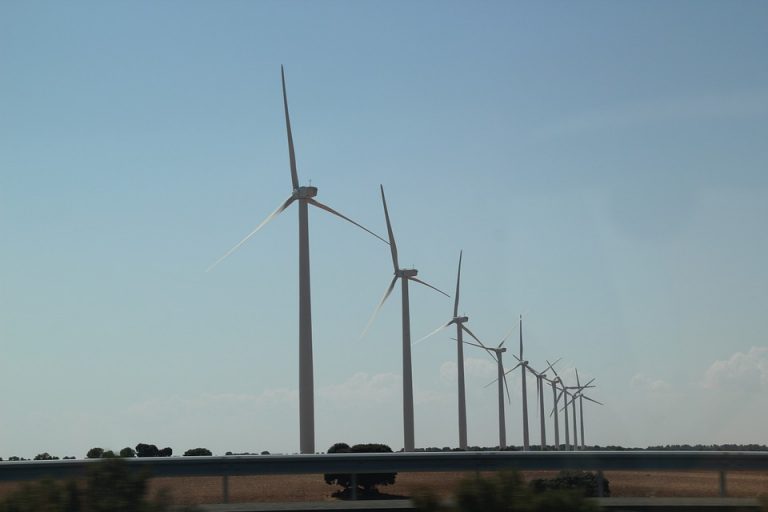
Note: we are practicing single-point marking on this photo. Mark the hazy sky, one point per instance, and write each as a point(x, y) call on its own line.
point(602, 164)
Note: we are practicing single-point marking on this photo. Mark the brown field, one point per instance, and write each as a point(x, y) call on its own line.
point(244, 489)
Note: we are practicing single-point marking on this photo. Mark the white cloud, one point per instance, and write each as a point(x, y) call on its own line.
point(644, 382)
point(361, 388)
point(482, 369)
point(740, 372)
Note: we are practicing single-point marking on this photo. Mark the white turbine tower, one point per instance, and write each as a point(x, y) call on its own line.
point(305, 197)
point(496, 353)
point(460, 329)
point(405, 275)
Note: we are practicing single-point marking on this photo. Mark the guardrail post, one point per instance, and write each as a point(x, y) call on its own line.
point(723, 490)
point(600, 484)
point(225, 489)
point(353, 481)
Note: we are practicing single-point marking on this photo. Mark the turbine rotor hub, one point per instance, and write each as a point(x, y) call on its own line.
point(305, 192)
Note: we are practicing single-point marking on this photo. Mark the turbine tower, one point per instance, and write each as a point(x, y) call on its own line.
point(523, 364)
point(540, 378)
point(305, 197)
point(460, 329)
point(405, 275)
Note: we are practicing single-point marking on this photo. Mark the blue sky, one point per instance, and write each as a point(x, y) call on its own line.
point(602, 164)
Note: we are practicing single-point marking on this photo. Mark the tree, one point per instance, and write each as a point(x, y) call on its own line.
point(198, 452)
point(127, 452)
point(94, 453)
point(45, 456)
point(265, 452)
point(165, 452)
point(366, 481)
point(147, 450)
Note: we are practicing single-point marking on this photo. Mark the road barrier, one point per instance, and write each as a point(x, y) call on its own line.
point(357, 463)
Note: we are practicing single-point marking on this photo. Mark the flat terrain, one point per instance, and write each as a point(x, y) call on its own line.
point(245, 489)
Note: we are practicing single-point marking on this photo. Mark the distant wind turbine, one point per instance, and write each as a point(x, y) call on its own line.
point(405, 275)
point(581, 396)
point(305, 196)
point(460, 329)
point(540, 378)
point(496, 353)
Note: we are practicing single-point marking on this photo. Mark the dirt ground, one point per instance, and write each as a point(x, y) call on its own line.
point(244, 489)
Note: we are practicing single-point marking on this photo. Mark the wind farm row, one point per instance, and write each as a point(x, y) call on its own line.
point(563, 396)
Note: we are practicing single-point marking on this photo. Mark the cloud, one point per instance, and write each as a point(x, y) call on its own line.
point(482, 369)
point(644, 382)
point(742, 372)
point(361, 388)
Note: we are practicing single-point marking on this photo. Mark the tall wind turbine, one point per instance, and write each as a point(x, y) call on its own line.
point(405, 275)
point(460, 329)
point(580, 395)
point(553, 383)
point(523, 364)
point(572, 403)
point(496, 353)
point(305, 197)
point(540, 378)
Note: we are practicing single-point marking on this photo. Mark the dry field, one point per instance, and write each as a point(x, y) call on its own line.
point(244, 489)
point(200, 490)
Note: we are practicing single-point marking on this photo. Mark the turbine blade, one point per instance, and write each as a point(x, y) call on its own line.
point(392, 245)
point(429, 285)
point(331, 210)
point(506, 337)
point(587, 385)
point(513, 369)
point(433, 332)
point(577, 377)
point(381, 303)
point(490, 383)
point(466, 329)
point(521, 337)
point(587, 398)
point(458, 282)
point(506, 388)
point(475, 345)
point(249, 235)
point(552, 365)
point(291, 153)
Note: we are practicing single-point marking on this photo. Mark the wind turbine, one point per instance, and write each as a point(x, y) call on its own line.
point(523, 364)
point(540, 378)
point(580, 395)
point(305, 197)
point(555, 397)
point(405, 275)
point(572, 403)
point(496, 353)
point(460, 329)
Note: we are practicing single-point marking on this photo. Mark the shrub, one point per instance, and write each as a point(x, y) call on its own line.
point(150, 450)
point(365, 481)
point(582, 481)
point(127, 452)
point(198, 452)
point(109, 487)
point(265, 452)
point(504, 492)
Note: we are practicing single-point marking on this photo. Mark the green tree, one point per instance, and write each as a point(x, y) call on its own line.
point(94, 453)
point(366, 482)
point(127, 452)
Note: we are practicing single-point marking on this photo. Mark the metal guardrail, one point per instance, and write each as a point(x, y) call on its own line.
point(356, 463)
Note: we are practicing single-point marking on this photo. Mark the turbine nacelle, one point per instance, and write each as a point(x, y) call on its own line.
point(407, 272)
point(460, 319)
point(305, 192)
